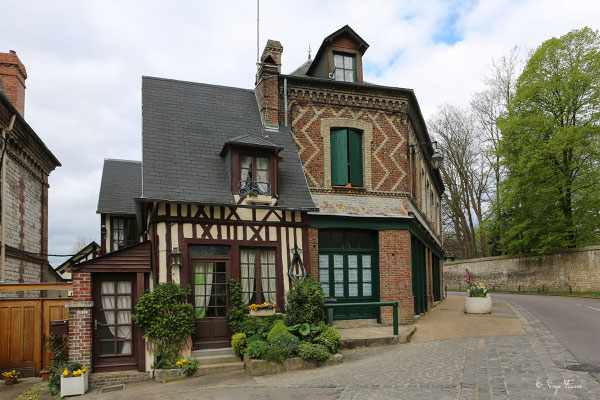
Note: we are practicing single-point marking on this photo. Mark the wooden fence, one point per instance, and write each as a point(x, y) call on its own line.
point(24, 327)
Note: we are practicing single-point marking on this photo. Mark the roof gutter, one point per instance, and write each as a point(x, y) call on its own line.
point(5, 132)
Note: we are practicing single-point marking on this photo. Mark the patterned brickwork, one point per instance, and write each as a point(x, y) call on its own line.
point(395, 271)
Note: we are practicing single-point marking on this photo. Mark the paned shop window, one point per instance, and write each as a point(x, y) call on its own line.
point(346, 158)
point(123, 232)
point(258, 276)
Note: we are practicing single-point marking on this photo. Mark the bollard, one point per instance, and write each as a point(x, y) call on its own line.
point(570, 289)
point(330, 311)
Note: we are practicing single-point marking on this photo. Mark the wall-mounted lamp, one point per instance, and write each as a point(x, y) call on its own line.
point(297, 272)
point(436, 157)
point(175, 257)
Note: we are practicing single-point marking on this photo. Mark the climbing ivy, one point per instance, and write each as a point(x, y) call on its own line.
point(236, 314)
point(167, 317)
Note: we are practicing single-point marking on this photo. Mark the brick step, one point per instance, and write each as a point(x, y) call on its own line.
point(212, 352)
point(218, 359)
point(217, 368)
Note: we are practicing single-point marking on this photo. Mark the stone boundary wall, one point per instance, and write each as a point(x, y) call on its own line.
point(577, 269)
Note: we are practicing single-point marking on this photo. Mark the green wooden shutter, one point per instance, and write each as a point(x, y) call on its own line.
point(356, 162)
point(339, 157)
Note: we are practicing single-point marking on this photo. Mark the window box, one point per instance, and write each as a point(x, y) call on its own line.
point(258, 199)
point(75, 385)
point(262, 313)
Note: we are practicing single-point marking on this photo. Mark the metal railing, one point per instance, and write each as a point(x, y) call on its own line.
point(254, 187)
point(370, 304)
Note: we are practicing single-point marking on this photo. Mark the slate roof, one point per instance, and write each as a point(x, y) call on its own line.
point(252, 141)
point(121, 183)
point(185, 126)
point(301, 70)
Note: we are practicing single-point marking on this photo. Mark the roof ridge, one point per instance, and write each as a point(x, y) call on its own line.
point(195, 83)
point(123, 160)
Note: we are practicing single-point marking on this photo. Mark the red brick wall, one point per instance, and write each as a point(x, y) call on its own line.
point(13, 75)
point(80, 320)
point(313, 243)
point(395, 270)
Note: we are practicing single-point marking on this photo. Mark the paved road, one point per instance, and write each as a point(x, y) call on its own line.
point(574, 321)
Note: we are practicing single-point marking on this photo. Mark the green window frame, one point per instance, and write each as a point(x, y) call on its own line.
point(344, 67)
point(346, 157)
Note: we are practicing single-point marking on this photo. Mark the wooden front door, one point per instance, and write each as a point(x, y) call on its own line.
point(349, 271)
point(114, 335)
point(210, 276)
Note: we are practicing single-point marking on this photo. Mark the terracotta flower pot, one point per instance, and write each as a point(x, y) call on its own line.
point(45, 374)
point(10, 381)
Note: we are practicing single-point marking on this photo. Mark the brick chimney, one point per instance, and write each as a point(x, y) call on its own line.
point(12, 80)
point(267, 84)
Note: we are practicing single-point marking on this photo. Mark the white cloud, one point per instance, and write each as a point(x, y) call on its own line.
point(85, 61)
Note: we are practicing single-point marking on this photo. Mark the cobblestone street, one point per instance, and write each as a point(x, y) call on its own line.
point(521, 366)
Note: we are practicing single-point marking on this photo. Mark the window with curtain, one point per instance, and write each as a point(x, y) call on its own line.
point(114, 320)
point(346, 158)
point(344, 67)
point(123, 232)
point(254, 173)
point(258, 276)
point(210, 289)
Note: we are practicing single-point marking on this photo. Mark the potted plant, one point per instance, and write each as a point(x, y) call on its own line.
point(11, 377)
point(45, 373)
point(477, 300)
point(262, 310)
point(73, 380)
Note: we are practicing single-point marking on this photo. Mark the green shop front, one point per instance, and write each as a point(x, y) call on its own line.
point(350, 265)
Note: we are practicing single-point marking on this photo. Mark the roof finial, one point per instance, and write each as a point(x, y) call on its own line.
point(309, 50)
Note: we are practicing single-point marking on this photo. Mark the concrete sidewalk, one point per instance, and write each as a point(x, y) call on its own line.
point(448, 320)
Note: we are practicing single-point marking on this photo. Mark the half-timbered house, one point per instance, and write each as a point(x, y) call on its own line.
point(315, 166)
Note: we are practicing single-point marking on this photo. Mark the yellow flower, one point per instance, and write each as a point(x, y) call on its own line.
point(65, 372)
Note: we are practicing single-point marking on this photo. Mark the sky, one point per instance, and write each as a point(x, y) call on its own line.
point(85, 61)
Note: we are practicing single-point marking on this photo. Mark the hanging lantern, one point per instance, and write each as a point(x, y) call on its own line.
point(297, 271)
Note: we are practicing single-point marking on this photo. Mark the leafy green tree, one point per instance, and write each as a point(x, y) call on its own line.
point(550, 148)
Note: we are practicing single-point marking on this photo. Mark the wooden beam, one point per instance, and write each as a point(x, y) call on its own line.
point(19, 287)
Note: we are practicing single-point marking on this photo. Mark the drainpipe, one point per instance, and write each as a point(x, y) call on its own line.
point(285, 105)
point(5, 131)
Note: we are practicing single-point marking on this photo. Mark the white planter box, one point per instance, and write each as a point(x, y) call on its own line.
point(263, 313)
point(74, 386)
point(478, 305)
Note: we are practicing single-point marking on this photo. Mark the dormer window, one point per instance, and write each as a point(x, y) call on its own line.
point(254, 175)
point(344, 67)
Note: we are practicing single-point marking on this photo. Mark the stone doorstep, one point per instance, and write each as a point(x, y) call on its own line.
point(210, 369)
point(375, 336)
point(264, 367)
point(101, 379)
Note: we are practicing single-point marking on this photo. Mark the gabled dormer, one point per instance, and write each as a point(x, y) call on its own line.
point(340, 57)
point(251, 164)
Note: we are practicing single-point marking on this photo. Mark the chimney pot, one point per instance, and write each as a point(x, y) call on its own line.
point(12, 52)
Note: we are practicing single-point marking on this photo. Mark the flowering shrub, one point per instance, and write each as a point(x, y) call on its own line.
point(477, 289)
point(11, 375)
point(263, 306)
